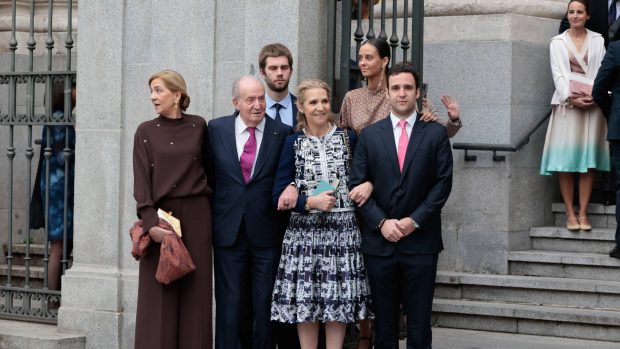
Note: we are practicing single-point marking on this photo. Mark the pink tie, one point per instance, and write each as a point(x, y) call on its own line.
point(402, 144)
point(249, 153)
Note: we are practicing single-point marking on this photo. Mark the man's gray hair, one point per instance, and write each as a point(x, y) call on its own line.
point(235, 89)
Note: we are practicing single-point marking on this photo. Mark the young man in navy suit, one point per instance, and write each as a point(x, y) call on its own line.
point(276, 66)
point(247, 228)
point(409, 163)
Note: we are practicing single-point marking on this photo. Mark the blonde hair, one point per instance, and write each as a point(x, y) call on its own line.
point(175, 83)
point(303, 87)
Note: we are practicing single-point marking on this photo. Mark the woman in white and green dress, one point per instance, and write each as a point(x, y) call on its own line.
point(575, 141)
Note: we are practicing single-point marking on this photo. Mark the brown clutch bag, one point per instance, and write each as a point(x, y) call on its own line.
point(174, 259)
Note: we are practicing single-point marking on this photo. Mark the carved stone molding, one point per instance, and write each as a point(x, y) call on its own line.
point(553, 9)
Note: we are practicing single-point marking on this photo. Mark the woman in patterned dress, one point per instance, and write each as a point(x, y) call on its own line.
point(321, 276)
point(575, 141)
point(55, 139)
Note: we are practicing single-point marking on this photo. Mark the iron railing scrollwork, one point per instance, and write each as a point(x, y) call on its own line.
point(25, 293)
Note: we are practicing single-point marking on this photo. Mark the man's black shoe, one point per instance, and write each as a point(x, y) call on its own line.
point(615, 253)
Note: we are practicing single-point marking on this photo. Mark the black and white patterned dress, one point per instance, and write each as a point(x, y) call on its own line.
point(321, 275)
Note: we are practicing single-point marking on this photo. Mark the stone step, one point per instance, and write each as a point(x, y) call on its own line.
point(528, 319)
point(600, 216)
point(18, 275)
point(564, 265)
point(37, 254)
point(599, 240)
point(582, 293)
point(28, 335)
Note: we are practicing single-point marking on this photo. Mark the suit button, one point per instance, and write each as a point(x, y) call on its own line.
point(242, 204)
point(401, 191)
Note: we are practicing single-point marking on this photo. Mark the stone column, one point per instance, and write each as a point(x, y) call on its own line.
point(122, 44)
point(494, 57)
point(245, 26)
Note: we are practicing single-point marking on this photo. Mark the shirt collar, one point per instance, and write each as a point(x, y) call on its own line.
point(285, 102)
point(240, 126)
point(410, 120)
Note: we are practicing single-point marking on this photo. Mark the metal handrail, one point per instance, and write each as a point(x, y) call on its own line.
point(523, 140)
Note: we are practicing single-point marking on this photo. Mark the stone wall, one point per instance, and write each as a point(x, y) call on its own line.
point(492, 55)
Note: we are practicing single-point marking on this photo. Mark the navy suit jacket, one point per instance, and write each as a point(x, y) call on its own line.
point(608, 79)
point(235, 201)
point(419, 192)
point(294, 102)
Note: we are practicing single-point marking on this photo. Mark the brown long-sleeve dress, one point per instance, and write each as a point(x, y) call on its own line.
point(169, 174)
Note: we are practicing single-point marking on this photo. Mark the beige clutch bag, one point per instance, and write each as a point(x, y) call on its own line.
point(174, 222)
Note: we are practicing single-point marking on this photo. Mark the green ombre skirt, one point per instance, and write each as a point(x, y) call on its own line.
point(575, 141)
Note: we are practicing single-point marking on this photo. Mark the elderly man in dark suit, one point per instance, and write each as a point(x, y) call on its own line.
point(603, 19)
point(410, 165)
point(608, 80)
point(276, 66)
point(247, 228)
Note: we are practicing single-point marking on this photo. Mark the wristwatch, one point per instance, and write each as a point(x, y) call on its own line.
point(415, 224)
point(380, 224)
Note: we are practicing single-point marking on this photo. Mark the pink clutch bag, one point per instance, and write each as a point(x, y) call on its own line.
point(579, 89)
point(579, 86)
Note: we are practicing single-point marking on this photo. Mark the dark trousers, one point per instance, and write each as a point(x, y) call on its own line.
point(408, 277)
point(615, 151)
point(244, 278)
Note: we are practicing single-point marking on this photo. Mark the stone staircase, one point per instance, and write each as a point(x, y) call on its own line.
point(25, 334)
point(18, 269)
point(565, 286)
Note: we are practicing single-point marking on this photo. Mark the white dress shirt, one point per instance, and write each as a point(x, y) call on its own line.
point(397, 129)
point(242, 135)
point(286, 112)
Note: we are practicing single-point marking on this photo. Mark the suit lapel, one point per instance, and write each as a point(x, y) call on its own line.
point(294, 102)
point(269, 139)
point(417, 135)
point(230, 148)
point(389, 143)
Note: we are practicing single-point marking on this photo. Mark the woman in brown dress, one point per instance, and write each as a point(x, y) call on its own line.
point(168, 158)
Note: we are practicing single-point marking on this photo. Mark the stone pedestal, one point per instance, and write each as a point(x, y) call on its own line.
point(124, 44)
point(497, 64)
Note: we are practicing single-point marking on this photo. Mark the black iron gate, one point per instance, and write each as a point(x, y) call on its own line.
point(35, 100)
point(406, 37)
point(406, 41)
